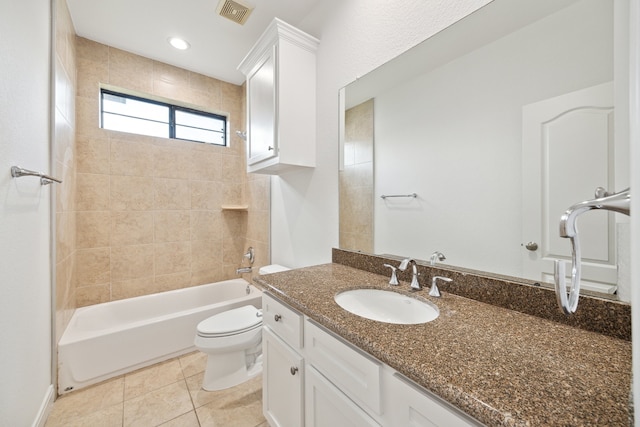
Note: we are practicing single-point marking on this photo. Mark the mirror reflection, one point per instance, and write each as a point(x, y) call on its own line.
point(498, 123)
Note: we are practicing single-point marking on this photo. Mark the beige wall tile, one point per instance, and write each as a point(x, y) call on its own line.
point(206, 164)
point(171, 194)
point(172, 257)
point(95, 294)
point(206, 195)
point(206, 254)
point(171, 162)
point(93, 229)
point(208, 275)
point(131, 228)
point(130, 71)
point(92, 192)
point(132, 288)
point(131, 193)
point(131, 158)
point(206, 225)
point(93, 155)
point(132, 262)
point(93, 266)
point(167, 282)
point(172, 226)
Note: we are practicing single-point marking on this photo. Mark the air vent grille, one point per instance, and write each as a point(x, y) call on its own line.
point(234, 10)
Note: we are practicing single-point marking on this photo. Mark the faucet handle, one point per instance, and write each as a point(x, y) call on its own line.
point(394, 278)
point(434, 291)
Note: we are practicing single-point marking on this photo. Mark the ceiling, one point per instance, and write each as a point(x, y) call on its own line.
point(218, 44)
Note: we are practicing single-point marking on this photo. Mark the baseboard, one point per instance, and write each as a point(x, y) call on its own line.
point(45, 407)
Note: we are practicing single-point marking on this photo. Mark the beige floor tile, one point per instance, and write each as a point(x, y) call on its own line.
point(240, 406)
point(107, 417)
point(89, 400)
point(190, 419)
point(193, 363)
point(152, 378)
point(201, 397)
point(158, 406)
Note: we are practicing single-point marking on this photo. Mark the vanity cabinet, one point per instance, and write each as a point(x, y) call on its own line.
point(283, 372)
point(281, 100)
point(336, 383)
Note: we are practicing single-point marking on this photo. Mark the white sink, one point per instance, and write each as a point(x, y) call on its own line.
point(387, 306)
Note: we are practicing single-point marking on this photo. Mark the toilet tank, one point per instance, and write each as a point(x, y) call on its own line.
point(272, 268)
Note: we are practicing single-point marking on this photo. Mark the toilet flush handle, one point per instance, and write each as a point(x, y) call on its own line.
point(277, 317)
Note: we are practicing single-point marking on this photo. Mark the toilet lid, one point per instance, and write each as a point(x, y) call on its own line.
point(231, 321)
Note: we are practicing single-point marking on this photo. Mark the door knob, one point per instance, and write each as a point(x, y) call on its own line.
point(532, 246)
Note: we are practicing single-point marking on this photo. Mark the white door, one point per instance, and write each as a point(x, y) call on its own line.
point(568, 151)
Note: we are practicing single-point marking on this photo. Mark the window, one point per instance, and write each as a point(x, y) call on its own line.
point(128, 113)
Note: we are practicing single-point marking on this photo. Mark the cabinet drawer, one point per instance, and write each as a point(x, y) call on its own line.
point(351, 370)
point(282, 320)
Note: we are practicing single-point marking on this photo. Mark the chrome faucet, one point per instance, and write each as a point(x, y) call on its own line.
point(393, 281)
point(434, 291)
point(243, 270)
point(414, 268)
point(436, 256)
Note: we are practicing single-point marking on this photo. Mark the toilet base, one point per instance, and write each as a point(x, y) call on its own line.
point(228, 370)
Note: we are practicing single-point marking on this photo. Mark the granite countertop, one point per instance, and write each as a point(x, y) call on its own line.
point(503, 367)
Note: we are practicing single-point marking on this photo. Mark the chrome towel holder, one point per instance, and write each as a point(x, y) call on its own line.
point(413, 195)
point(17, 172)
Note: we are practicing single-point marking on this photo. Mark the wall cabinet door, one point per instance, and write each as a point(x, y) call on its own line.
point(261, 110)
point(283, 379)
point(326, 406)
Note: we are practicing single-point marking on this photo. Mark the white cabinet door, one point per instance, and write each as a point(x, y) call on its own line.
point(261, 110)
point(412, 406)
point(326, 406)
point(283, 379)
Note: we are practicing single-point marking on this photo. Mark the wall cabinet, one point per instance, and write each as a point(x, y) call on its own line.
point(336, 383)
point(281, 100)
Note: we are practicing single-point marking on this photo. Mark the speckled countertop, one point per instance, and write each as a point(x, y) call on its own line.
point(503, 367)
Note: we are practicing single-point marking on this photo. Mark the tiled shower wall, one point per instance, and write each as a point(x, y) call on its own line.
point(63, 165)
point(151, 211)
point(356, 180)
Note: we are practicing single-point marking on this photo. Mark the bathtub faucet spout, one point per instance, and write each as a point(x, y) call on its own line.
point(243, 270)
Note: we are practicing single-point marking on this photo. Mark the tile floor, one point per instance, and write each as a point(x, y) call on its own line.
point(168, 394)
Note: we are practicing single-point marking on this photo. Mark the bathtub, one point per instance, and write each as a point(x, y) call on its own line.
point(106, 340)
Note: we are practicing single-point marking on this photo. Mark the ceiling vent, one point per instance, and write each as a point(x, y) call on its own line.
point(234, 10)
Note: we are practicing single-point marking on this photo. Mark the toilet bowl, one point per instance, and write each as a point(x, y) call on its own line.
point(232, 341)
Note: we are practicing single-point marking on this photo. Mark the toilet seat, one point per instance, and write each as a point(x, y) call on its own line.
point(230, 322)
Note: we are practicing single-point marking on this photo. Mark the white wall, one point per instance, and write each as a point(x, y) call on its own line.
point(355, 36)
point(454, 136)
point(25, 298)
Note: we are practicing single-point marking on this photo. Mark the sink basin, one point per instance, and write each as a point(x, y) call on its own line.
point(387, 306)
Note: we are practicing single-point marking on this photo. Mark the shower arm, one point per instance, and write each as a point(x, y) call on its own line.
point(617, 202)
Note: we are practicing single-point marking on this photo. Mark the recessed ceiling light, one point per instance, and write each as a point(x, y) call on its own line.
point(179, 43)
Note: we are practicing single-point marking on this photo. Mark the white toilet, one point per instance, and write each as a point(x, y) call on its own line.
point(233, 342)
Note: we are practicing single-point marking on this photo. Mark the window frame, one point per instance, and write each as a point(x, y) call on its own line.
point(172, 109)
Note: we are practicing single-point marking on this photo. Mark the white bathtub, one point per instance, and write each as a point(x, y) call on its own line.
point(110, 339)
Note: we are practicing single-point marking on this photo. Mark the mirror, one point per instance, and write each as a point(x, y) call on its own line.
point(490, 123)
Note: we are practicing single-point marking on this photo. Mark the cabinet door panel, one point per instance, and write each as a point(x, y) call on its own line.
point(283, 379)
point(326, 406)
point(262, 110)
point(412, 406)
